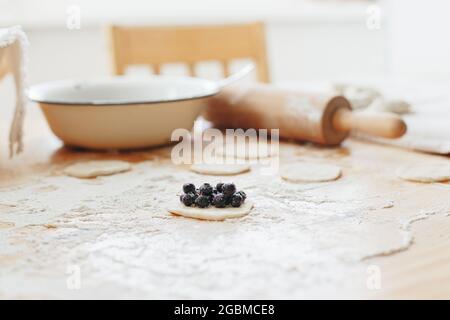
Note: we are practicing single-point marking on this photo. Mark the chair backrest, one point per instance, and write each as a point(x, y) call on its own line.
point(155, 46)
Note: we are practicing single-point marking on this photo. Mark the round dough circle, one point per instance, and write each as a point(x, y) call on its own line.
point(95, 168)
point(211, 213)
point(309, 172)
point(425, 173)
point(220, 169)
point(247, 151)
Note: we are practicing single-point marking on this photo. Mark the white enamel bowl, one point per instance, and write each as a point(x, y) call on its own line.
point(122, 112)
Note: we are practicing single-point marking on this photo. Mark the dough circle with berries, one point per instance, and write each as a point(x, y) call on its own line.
point(211, 213)
point(208, 202)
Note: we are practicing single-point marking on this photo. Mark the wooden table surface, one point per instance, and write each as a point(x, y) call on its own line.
point(367, 235)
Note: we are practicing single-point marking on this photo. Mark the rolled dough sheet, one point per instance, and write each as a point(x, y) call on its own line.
point(309, 172)
point(95, 168)
point(425, 173)
point(220, 169)
point(211, 213)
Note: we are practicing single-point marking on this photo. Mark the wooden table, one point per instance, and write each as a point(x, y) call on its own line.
point(367, 235)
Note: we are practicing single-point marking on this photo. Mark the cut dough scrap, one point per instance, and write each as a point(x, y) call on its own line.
point(220, 169)
point(95, 168)
point(310, 172)
point(211, 213)
point(426, 173)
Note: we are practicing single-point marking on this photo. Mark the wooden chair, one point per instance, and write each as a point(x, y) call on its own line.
point(155, 46)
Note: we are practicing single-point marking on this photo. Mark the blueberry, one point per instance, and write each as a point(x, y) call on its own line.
point(189, 188)
point(228, 200)
point(194, 195)
point(219, 186)
point(202, 201)
point(228, 189)
point(236, 200)
point(188, 199)
point(219, 200)
point(242, 194)
point(206, 189)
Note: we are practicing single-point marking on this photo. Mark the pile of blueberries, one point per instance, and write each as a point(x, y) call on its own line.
point(224, 194)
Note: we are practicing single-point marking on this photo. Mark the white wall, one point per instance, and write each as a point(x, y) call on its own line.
point(324, 51)
point(307, 40)
point(419, 38)
point(296, 52)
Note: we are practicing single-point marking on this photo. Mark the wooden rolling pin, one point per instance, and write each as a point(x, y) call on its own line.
point(309, 117)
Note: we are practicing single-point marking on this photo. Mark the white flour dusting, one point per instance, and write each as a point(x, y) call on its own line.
point(299, 241)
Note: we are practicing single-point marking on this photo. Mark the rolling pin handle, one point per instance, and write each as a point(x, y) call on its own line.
point(379, 124)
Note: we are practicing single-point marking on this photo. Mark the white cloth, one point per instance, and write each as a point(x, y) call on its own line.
point(13, 43)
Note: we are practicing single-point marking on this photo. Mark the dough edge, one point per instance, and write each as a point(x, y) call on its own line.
point(286, 169)
point(237, 169)
point(270, 152)
point(424, 174)
point(211, 213)
point(87, 169)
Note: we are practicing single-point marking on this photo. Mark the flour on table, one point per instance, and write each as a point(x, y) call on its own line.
point(309, 172)
point(300, 240)
point(426, 173)
point(220, 169)
point(211, 213)
point(95, 168)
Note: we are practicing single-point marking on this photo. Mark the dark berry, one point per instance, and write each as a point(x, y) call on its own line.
point(202, 201)
point(228, 200)
point(219, 200)
point(188, 199)
point(242, 194)
point(219, 186)
point(194, 195)
point(228, 189)
point(206, 189)
point(236, 200)
point(188, 188)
